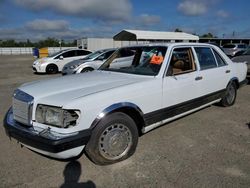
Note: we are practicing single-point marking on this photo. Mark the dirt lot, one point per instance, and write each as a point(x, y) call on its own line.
point(209, 148)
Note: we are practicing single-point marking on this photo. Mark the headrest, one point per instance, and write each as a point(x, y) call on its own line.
point(179, 64)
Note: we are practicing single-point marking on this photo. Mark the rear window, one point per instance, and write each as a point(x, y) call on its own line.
point(229, 46)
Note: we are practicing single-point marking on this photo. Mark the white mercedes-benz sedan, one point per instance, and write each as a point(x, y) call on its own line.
point(106, 110)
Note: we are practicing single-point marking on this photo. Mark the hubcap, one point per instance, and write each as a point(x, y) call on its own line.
point(115, 141)
point(230, 94)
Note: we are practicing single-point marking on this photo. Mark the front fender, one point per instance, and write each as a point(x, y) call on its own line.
point(116, 107)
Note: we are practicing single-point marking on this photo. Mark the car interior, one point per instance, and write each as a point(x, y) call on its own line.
point(181, 61)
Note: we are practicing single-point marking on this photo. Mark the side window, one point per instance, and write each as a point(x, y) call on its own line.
point(181, 61)
point(205, 57)
point(107, 54)
point(241, 46)
point(82, 52)
point(71, 53)
point(219, 59)
point(126, 53)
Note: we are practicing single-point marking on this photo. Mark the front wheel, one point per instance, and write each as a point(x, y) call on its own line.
point(114, 139)
point(88, 69)
point(230, 95)
point(51, 69)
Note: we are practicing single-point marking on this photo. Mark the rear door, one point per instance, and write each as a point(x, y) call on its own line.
point(214, 73)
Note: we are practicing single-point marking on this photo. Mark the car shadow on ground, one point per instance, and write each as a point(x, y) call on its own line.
point(248, 124)
point(72, 173)
point(248, 77)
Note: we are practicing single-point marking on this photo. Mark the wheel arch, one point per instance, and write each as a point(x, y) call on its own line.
point(52, 64)
point(79, 70)
point(128, 108)
point(236, 81)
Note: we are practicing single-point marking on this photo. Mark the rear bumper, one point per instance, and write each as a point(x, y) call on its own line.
point(46, 141)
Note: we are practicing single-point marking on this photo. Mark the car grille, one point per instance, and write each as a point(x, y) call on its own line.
point(22, 107)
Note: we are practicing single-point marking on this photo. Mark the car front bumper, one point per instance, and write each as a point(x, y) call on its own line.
point(68, 71)
point(46, 142)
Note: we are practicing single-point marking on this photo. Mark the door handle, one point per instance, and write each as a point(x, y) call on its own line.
point(228, 71)
point(198, 78)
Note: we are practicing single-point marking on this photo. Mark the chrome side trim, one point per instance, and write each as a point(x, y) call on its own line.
point(157, 124)
point(114, 107)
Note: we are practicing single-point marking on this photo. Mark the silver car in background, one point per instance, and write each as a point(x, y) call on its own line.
point(232, 49)
point(244, 57)
point(89, 63)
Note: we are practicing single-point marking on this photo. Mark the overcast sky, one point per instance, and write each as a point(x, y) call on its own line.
point(72, 19)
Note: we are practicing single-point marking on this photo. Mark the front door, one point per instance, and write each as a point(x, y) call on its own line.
point(180, 88)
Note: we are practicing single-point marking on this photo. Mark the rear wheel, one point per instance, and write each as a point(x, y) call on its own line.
point(114, 139)
point(88, 69)
point(230, 95)
point(51, 69)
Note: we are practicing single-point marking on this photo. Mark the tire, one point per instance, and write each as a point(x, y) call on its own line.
point(88, 69)
point(230, 95)
point(51, 69)
point(114, 139)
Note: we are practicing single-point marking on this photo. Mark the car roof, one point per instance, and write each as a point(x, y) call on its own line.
point(70, 49)
point(173, 44)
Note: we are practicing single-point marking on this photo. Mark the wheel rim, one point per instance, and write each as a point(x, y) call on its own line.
point(86, 70)
point(115, 141)
point(51, 69)
point(230, 94)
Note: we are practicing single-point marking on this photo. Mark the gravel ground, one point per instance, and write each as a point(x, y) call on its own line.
point(209, 148)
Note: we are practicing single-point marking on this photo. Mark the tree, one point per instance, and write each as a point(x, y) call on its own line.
point(177, 30)
point(208, 35)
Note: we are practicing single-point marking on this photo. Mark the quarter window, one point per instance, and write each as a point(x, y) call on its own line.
point(219, 59)
point(205, 57)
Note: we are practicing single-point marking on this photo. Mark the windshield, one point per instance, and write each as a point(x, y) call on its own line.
point(247, 52)
point(229, 46)
point(136, 60)
point(93, 55)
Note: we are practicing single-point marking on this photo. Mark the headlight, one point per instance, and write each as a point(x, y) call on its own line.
point(56, 116)
point(41, 61)
point(74, 66)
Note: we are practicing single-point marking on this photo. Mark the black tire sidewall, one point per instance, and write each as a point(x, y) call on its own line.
point(92, 147)
point(88, 69)
point(224, 100)
point(53, 67)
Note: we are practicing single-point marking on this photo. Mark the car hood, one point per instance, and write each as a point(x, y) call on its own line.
point(77, 62)
point(60, 90)
point(241, 58)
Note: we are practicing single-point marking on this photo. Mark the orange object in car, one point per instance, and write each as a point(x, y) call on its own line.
point(157, 60)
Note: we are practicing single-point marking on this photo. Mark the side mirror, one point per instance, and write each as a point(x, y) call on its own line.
point(61, 57)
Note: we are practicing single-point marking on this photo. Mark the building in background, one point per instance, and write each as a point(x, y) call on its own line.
point(133, 37)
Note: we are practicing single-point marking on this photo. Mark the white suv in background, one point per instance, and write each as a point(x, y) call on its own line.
point(55, 62)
